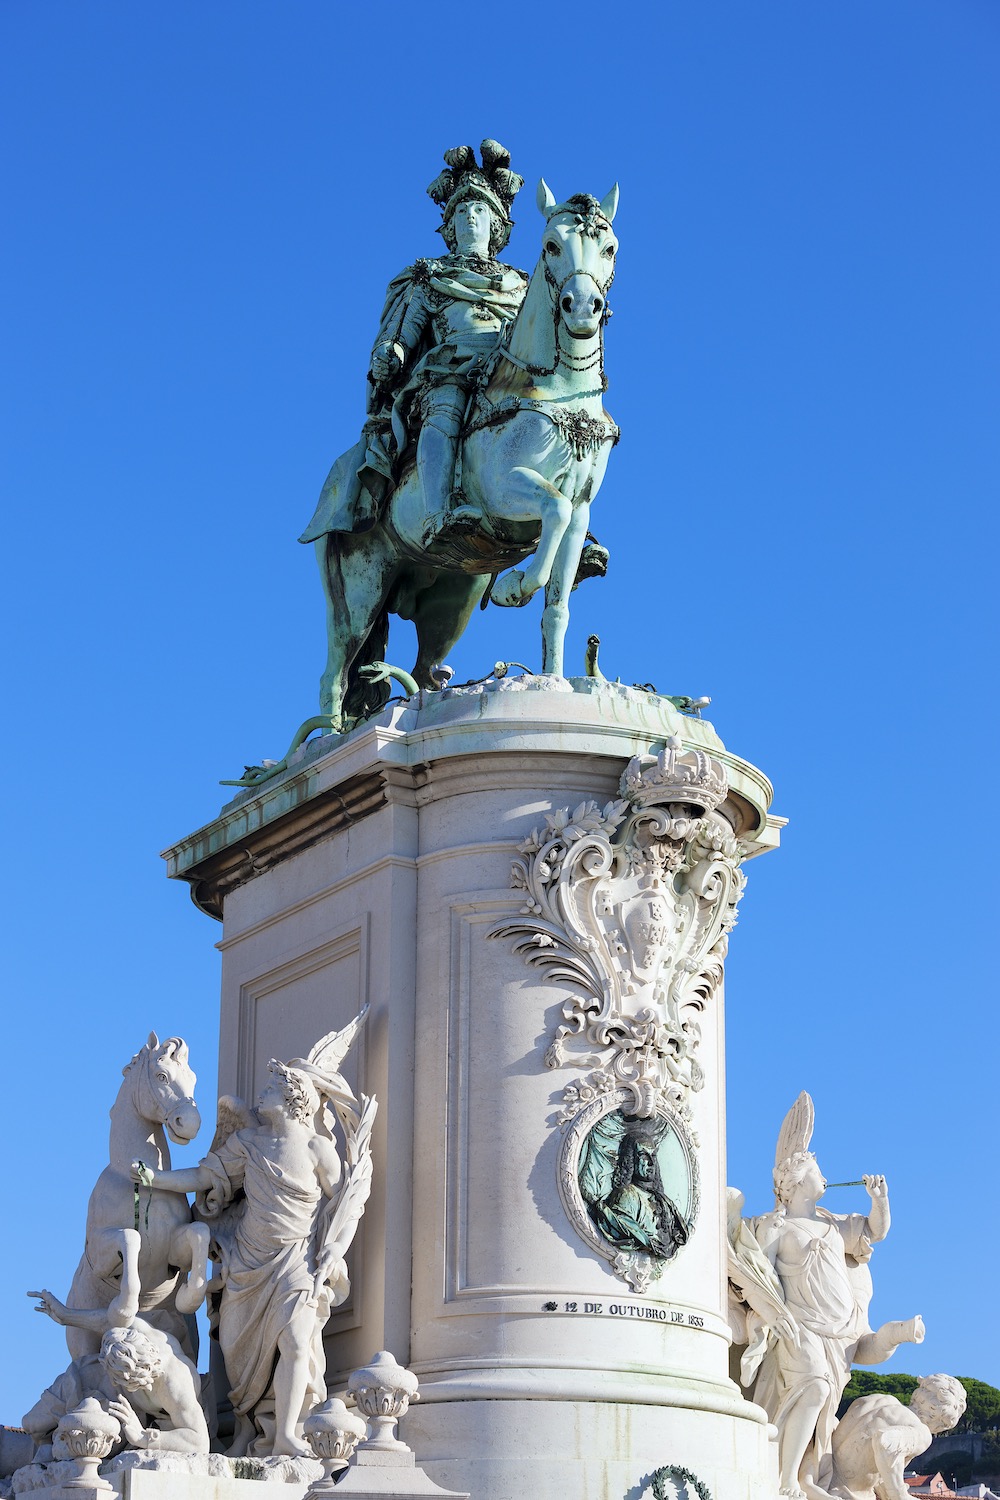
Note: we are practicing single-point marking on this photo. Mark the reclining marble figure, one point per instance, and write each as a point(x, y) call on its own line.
point(152, 1377)
point(878, 1436)
point(83, 1378)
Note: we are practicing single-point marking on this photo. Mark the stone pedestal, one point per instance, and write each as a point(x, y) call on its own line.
point(377, 869)
point(391, 1477)
point(149, 1484)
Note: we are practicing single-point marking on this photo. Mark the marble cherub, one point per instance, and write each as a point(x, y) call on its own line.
point(283, 1213)
point(801, 1285)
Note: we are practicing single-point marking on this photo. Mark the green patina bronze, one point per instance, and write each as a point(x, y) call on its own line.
point(378, 671)
point(620, 1183)
point(485, 442)
point(672, 1474)
point(146, 1178)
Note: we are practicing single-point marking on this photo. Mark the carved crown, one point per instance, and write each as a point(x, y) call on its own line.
point(675, 775)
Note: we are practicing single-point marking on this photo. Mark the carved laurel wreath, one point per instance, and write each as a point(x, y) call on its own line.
point(673, 1473)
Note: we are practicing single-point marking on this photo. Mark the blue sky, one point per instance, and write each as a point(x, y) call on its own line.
point(205, 204)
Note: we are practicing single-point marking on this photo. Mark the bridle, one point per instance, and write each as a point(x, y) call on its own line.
point(149, 1102)
point(591, 361)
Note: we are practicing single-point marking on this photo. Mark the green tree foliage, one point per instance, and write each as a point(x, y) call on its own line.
point(868, 1383)
point(981, 1415)
point(988, 1462)
point(983, 1411)
point(955, 1467)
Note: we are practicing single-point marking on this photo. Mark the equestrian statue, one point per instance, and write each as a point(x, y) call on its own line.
point(485, 442)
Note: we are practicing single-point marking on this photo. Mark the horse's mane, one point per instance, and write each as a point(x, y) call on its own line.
point(173, 1046)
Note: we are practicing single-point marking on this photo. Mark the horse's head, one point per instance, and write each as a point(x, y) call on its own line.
point(578, 254)
point(164, 1087)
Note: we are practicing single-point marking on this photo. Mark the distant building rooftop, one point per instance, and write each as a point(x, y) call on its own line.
point(935, 1484)
point(929, 1484)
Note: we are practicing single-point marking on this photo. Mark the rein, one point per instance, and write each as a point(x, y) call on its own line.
point(563, 356)
point(144, 1097)
point(147, 1182)
point(583, 432)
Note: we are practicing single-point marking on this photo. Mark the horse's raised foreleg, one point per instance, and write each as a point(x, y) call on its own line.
point(108, 1276)
point(529, 495)
point(441, 613)
point(189, 1252)
point(125, 1306)
point(555, 615)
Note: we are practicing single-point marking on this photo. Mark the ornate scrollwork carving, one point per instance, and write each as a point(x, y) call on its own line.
point(630, 906)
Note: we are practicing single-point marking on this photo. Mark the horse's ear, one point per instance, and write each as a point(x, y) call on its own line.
point(545, 198)
point(609, 204)
point(153, 1041)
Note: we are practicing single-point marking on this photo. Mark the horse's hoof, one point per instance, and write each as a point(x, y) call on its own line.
point(507, 591)
point(122, 1311)
point(190, 1297)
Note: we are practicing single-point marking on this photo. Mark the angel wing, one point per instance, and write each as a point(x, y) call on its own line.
point(322, 1068)
point(330, 1051)
point(232, 1114)
point(796, 1129)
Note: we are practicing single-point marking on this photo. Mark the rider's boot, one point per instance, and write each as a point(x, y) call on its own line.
point(446, 509)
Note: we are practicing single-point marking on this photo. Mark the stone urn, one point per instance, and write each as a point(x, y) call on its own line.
point(383, 1390)
point(86, 1435)
point(332, 1433)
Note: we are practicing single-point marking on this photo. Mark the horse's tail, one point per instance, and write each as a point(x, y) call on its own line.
point(362, 697)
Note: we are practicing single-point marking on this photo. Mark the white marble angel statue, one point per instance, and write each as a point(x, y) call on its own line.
point(283, 1211)
point(800, 1289)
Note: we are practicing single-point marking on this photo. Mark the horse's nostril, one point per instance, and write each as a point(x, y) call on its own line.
point(598, 304)
point(567, 304)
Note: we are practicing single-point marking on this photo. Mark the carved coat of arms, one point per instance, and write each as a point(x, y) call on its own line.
point(629, 907)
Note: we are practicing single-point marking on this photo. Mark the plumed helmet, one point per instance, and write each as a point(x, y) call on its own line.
point(493, 183)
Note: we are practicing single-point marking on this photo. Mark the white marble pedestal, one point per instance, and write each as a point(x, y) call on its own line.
point(376, 1475)
point(373, 870)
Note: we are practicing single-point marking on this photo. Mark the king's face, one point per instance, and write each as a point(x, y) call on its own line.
point(472, 223)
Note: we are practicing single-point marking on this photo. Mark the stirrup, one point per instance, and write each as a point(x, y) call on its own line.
point(463, 518)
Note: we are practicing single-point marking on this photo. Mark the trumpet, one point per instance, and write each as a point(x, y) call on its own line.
point(857, 1182)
